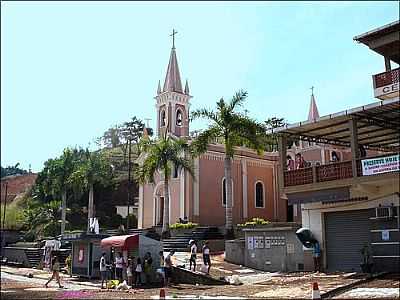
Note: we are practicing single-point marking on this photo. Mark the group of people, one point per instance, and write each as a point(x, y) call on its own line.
point(138, 267)
point(135, 268)
point(193, 256)
point(298, 163)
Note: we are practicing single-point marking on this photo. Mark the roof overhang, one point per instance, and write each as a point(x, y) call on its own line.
point(378, 126)
point(121, 241)
point(384, 40)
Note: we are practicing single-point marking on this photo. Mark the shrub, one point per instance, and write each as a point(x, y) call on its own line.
point(188, 225)
point(254, 222)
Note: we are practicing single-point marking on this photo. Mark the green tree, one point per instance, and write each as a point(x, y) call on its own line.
point(93, 169)
point(54, 180)
point(163, 155)
point(42, 219)
point(12, 170)
point(272, 137)
point(233, 129)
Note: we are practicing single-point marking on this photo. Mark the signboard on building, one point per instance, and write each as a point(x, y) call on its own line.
point(385, 235)
point(379, 165)
point(386, 90)
point(250, 243)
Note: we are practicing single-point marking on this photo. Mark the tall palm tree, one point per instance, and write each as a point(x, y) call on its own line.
point(59, 172)
point(162, 156)
point(233, 129)
point(94, 168)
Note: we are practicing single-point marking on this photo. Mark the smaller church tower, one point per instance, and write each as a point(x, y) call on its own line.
point(172, 101)
point(313, 111)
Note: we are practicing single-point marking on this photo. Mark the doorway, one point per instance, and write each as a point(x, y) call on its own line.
point(160, 211)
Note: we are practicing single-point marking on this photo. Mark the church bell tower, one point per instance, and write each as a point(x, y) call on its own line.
point(172, 102)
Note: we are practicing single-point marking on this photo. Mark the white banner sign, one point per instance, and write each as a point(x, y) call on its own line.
point(380, 165)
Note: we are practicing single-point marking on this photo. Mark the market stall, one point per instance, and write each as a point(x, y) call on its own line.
point(86, 253)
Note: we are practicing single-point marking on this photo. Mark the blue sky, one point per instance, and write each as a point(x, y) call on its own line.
point(70, 70)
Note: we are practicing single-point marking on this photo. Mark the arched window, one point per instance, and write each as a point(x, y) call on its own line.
point(224, 192)
point(259, 194)
point(179, 118)
point(163, 120)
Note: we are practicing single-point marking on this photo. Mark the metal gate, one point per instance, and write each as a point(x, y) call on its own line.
point(346, 232)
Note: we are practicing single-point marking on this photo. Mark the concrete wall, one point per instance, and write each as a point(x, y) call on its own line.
point(278, 249)
point(16, 255)
point(234, 251)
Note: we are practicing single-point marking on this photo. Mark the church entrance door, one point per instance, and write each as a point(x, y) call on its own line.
point(160, 211)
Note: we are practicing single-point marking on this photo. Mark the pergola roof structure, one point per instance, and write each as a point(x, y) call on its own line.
point(383, 40)
point(378, 127)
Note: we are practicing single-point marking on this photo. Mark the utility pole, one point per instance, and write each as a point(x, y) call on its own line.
point(129, 182)
point(5, 205)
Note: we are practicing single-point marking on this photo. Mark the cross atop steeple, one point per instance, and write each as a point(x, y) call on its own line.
point(173, 38)
point(312, 91)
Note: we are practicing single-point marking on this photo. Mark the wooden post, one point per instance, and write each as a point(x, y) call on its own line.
point(388, 67)
point(314, 174)
point(354, 145)
point(282, 147)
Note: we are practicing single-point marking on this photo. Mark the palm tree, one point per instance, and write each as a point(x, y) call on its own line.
point(233, 129)
point(58, 172)
point(162, 156)
point(94, 168)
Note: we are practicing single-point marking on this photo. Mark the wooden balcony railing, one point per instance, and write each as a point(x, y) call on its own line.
point(334, 171)
point(386, 78)
point(298, 177)
point(323, 173)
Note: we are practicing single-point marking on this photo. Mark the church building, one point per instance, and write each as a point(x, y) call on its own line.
point(201, 200)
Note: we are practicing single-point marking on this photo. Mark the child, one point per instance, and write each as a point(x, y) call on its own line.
point(138, 272)
point(129, 273)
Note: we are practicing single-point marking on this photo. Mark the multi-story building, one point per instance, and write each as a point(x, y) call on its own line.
point(353, 204)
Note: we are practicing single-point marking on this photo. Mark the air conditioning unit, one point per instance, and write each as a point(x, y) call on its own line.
point(384, 212)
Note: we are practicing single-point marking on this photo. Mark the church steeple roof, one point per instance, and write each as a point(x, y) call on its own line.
point(313, 111)
point(172, 81)
point(187, 88)
point(159, 88)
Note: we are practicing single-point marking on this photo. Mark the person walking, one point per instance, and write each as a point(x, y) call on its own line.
point(138, 272)
point(193, 256)
point(55, 267)
point(161, 270)
point(148, 261)
point(119, 265)
point(103, 270)
point(68, 263)
point(206, 256)
point(317, 256)
point(168, 267)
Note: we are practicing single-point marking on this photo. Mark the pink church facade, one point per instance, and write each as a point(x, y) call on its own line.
point(201, 199)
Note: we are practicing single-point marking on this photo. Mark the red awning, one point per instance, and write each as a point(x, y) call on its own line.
point(121, 241)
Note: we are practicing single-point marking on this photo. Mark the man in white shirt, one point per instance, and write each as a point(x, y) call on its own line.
point(103, 269)
point(193, 252)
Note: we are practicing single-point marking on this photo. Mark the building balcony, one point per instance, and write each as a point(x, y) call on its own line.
point(342, 170)
point(386, 84)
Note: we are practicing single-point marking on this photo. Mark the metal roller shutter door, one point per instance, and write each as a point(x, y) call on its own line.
point(346, 233)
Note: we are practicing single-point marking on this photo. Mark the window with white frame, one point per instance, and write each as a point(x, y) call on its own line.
point(259, 194)
point(224, 192)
